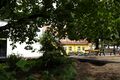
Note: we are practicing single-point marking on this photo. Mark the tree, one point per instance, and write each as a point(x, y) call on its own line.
point(95, 20)
point(24, 17)
point(78, 19)
point(50, 44)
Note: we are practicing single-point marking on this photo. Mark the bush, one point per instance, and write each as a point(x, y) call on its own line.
point(56, 66)
point(25, 65)
point(64, 71)
point(12, 60)
point(4, 75)
point(30, 78)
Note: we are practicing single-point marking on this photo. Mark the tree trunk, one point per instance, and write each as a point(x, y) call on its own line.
point(114, 51)
point(97, 44)
point(108, 46)
point(102, 47)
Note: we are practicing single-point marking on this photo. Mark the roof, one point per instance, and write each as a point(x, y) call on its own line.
point(67, 41)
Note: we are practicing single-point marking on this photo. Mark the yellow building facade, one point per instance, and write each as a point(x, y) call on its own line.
point(75, 46)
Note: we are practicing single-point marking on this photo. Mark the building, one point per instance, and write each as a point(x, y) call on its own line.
point(75, 46)
point(69, 46)
point(6, 48)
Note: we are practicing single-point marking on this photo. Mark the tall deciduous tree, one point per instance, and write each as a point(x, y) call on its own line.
point(76, 19)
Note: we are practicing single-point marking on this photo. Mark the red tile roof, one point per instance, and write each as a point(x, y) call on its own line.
point(67, 41)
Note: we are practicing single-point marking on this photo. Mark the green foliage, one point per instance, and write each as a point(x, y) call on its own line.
point(4, 75)
point(12, 60)
point(50, 68)
point(53, 52)
point(65, 71)
point(23, 65)
point(26, 65)
point(50, 44)
point(30, 78)
point(3, 66)
point(78, 19)
point(52, 60)
point(54, 63)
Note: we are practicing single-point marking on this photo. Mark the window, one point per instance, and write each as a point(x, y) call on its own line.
point(65, 48)
point(78, 49)
point(3, 48)
point(83, 48)
point(70, 49)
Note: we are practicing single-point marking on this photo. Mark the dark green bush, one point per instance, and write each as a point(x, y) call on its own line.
point(65, 70)
point(12, 60)
point(30, 78)
point(23, 65)
point(4, 75)
point(54, 63)
point(55, 66)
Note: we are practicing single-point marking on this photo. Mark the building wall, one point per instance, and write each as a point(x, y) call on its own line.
point(76, 47)
point(20, 49)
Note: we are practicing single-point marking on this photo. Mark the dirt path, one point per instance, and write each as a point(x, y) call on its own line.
point(87, 71)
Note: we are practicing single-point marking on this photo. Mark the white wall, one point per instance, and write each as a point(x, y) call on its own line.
point(23, 52)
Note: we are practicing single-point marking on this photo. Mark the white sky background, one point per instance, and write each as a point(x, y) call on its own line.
point(20, 47)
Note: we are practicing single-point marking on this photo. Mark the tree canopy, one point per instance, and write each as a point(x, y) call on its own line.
point(75, 19)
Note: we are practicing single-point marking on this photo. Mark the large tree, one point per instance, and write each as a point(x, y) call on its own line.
point(76, 19)
point(96, 20)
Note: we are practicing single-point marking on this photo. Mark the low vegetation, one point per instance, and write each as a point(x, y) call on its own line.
point(53, 65)
point(49, 68)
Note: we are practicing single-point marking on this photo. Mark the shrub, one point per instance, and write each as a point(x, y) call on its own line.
point(56, 66)
point(12, 60)
point(54, 63)
point(25, 65)
point(30, 78)
point(65, 71)
point(4, 75)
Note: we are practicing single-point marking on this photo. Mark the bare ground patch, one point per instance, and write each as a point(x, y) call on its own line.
point(87, 71)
